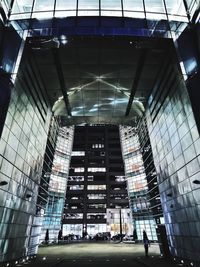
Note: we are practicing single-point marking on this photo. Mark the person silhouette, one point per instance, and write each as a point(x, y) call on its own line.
point(146, 243)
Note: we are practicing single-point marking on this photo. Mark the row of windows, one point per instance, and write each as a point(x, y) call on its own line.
point(152, 9)
point(89, 187)
point(90, 169)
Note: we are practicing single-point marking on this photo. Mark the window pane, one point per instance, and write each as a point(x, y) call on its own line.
point(42, 15)
point(133, 5)
point(62, 14)
point(154, 6)
point(111, 5)
point(88, 13)
point(44, 5)
point(88, 4)
point(134, 14)
point(175, 7)
point(62, 5)
point(22, 6)
point(111, 13)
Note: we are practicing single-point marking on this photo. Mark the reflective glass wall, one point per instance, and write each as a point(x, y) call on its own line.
point(150, 9)
point(137, 183)
point(58, 184)
point(175, 144)
point(22, 148)
point(163, 15)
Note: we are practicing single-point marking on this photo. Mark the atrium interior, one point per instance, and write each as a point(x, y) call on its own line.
point(99, 131)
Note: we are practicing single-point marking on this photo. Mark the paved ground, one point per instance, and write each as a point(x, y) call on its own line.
point(98, 254)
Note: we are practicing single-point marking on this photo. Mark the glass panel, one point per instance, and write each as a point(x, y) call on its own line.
point(61, 4)
point(155, 16)
point(111, 5)
point(154, 6)
point(111, 13)
point(88, 13)
point(177, 18)
point(62, 14)
point(41, 5)
point(88, 4)
point(134, 14)
point(133, 5)
point(175, 7)
point(42, 15)
point(22, 6)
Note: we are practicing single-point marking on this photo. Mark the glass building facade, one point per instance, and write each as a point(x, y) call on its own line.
point(171, 114)
point(22, 148)
point(175, 144)
point(137, 183)
point(157, 9)
point(96, 193)
point(57, 185)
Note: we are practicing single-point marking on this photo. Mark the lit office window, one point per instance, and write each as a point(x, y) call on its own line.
point(96, 187)
point(76, 187)
point(96, 196)
point(90, 178)
point(97, 145)
point(78, 153)
point(97, 206)
point(97, 169)
point(96, 216)
point(76, 178)
point(79, 169)
point(74, 216)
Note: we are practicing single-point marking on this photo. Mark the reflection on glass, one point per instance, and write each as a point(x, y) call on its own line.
point(175, 7)
point(111, 13)
point(112, 5)
point(156, 6)
point(88, 4)
point(43, 5)
point(133, 5)
point(62, 5)
point(22, 6)
point(61, 14)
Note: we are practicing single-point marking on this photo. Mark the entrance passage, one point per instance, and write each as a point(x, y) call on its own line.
point(99, 254)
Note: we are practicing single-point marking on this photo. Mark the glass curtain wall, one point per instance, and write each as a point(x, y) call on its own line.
point(58, 184)
point(150, 9)
point(137, 183)
point(22, 148)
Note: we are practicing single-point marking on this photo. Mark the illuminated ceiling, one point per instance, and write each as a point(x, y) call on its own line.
point(99, 79)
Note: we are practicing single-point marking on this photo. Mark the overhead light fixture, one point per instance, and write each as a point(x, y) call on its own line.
point(3, 183)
